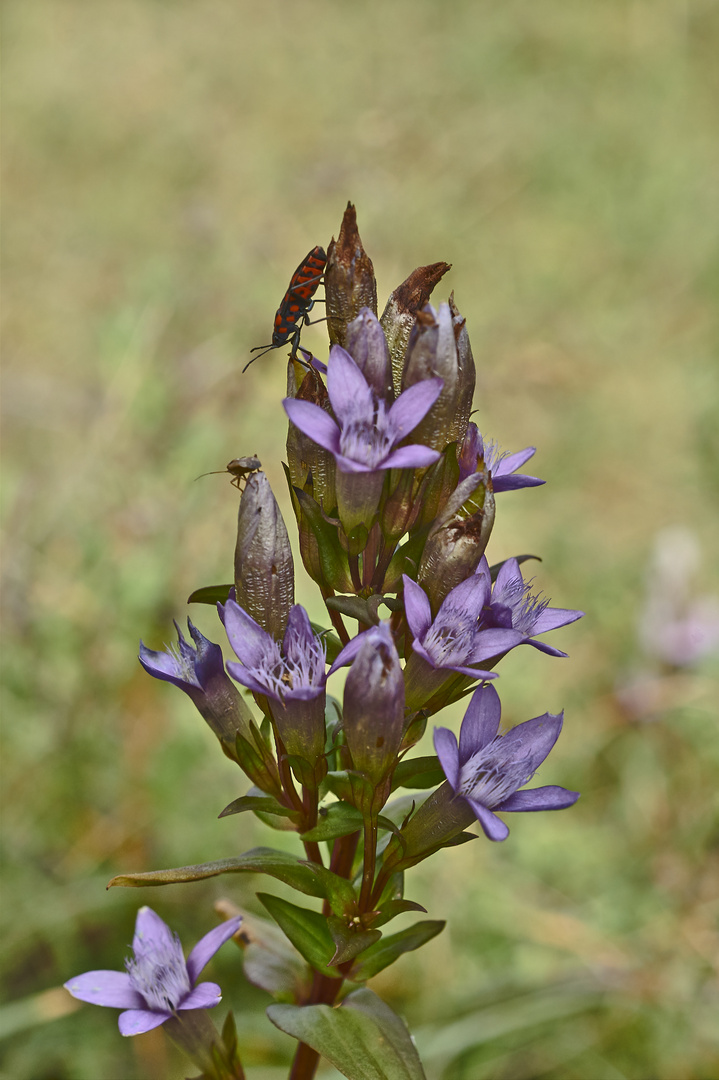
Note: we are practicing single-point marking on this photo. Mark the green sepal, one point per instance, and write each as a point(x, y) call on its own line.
point(256, 760)
point(363, 1038)
point(350, 940)
point(419, 772)
point(415, 730)
point(494, 570)
point(261, 860)
point(404, 561)
point(389, 949)
point(332, 558)
point(307, 930)
point(308, 775)
point(355, 541)
point(210, 594)
point(338, 782)
point(392, 908)
point(337, 819)
point(365, 610)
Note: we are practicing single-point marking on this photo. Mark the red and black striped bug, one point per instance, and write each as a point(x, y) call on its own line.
point(292, 313)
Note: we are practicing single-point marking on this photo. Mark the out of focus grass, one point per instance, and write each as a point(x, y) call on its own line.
point(167, 165)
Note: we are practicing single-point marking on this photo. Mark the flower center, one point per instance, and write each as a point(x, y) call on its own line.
point(488, 778)
point(367, 440)
point(159, 974)
point(450, 643)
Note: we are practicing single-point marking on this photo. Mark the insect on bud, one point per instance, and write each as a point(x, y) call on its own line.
point(349, 279)
point(264, 569)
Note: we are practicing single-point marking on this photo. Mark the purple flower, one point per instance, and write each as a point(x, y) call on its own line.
point(364, 437)
point(514, 607)
point(453, 641)
point(486, 769)
point(158, 981)
point(502, 466)
point(292, 677)
point(200, 672)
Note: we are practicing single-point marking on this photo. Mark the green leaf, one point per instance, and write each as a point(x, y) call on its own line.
point(392, 908)
point(339, 892)
point(337, 819)
point(271, 962)
point(261, 860)
point(363, 1038)
point(389, 949)
point(350, 940)
point(419, 772)
point(210, 594)
point(258, 802)
point(307, 930)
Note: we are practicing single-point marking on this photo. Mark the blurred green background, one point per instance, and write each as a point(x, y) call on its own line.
point(167, 165)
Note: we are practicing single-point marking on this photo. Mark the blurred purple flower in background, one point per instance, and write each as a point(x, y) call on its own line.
point(486, 769)
point(158, 981)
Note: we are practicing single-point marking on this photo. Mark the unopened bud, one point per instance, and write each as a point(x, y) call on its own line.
point(367, 346)
point(264, 570)
point(304, 455)
point(467, 376)
point(457, 540)
point(400, 314)
point(374, 705)
point(349, 279)
point(432, 350)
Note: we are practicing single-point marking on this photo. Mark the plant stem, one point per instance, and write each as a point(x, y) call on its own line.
point(370, 858)
point(324, 992)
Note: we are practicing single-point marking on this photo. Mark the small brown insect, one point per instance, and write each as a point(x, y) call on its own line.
point(239, 469)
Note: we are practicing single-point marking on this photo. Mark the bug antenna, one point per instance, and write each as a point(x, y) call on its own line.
point(259, 354)
point(212, 472)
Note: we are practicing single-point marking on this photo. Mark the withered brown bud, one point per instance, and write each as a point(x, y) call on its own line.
point(349, 279)
point(303, 454)
point(457, 540)
point(264, 569)
point(400, 314)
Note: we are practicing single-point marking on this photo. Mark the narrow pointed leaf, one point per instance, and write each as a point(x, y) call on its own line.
point(337, 819)
point(419, 772)
point(257, 802)
point(395, 907)
point(307, 930)
point(389, 949)
point(363, 1038)
point(261, 860)
point(350, 941)
point(210, 594)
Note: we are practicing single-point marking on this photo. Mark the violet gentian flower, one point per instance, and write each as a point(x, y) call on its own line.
point(200, 672)
point(513, 606)
point(486, 769)
point(364, 437)
point(292, 677)
point(158, 982)
point(501, 465)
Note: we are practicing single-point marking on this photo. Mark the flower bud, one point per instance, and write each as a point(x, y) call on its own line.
point(374, 704)
point(432, 350)
point(399, 315)
point(467, 376)
point(367, 346)
point(349, 279)
point(304, 455)
point(264, 570)
point(457, 540)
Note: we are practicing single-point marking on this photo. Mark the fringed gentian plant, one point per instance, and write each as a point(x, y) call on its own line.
point(393, 489)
